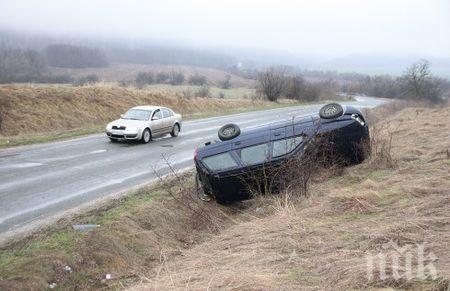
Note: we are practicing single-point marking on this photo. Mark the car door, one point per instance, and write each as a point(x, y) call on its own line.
point(167, 120)
point(157, 122)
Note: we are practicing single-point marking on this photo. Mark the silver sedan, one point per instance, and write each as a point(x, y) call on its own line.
point(143, 123)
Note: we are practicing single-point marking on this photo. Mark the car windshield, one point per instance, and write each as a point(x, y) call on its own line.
point(137, 114)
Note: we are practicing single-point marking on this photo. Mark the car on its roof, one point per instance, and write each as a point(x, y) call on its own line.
point(223, 167)
point(142, 123)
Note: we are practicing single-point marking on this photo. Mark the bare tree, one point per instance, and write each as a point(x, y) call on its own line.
point(271, 83)
point(416, 79)
point(419, 83)
point(294, 87)
point(226, 83)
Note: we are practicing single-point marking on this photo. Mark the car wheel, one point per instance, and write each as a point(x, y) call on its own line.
point(146, 136)
point(330, 111)
point(175, 130)
point(229, 131)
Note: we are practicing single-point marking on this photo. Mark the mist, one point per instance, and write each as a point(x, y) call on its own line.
point(324, 28)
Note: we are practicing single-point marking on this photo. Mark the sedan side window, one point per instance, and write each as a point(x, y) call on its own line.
point(166, 113)
point(255, 154)
point(285, 146)
point(157, 114)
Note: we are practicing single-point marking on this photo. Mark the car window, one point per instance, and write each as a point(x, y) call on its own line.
point(166, 113)
point(157, 114)
point(219, 162)
point(284, 146)
point(255, 154)
point(137, 114)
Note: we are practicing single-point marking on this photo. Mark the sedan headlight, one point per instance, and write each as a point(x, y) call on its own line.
point(109, 126)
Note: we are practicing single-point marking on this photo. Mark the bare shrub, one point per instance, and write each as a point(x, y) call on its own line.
point(124, 83)
point(293, 176)
point(144, 78)
point(271, 83)
point(203, 91)
point(197, 79)
point(86, 80)
point(187, 93)
point(161, 77)
point(221, 95)
point(295, 87)
point(201, 215)
point(226, 82)
point(381, 148)
point(175, 78)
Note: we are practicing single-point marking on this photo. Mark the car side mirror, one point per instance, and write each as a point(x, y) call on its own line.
point(121, 115)
point(155, 118)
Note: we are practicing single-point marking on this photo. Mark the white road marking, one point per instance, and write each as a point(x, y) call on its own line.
point(21, 165)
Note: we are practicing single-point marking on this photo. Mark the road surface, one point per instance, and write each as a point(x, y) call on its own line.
point(40, 181)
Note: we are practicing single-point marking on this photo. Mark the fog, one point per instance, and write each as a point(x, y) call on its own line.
point(316, 29)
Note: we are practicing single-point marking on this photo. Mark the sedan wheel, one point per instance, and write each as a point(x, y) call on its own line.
point(146, 136)
point(175, 130)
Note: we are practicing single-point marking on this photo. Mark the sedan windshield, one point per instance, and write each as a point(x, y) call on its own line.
point(137, 114)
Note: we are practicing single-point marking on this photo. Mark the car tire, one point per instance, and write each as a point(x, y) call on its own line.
point(330, 111)
point(175, 130)
point(229, 131)
point(146, 136)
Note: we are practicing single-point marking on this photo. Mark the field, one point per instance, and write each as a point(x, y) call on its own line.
point(36, 113)
point(122, 71)
point(161, 237)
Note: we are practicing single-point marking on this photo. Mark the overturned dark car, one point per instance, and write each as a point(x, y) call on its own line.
point(228, 169)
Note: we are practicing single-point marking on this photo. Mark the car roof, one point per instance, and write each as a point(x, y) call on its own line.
point(147, 107)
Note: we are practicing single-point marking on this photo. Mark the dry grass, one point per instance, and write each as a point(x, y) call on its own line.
point(322, 242)
point(37, 109)
point(162, 238)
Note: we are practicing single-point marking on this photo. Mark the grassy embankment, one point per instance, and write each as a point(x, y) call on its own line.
point(40, 113)
point(150, 239)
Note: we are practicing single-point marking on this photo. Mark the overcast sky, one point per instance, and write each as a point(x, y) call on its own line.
point(316, 27)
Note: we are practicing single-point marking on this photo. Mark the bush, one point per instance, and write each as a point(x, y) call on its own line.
point(226, 83)
point(176, 78)
point(86, 80)
point(203, 91)
point(161, 78)
point(196, 79)
point(144, 78)
point(294, 87)
point(271, 83)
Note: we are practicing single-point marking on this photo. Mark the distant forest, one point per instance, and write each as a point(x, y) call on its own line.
point(27, 58)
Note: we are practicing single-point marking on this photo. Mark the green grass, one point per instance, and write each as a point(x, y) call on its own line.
point(28, 139)
point(33, 258)
point(10, 141)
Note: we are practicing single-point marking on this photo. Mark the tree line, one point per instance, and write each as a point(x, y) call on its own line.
point(19, 65)
point(416, 83)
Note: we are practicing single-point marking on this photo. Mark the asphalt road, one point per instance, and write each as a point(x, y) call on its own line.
point(40, 181)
